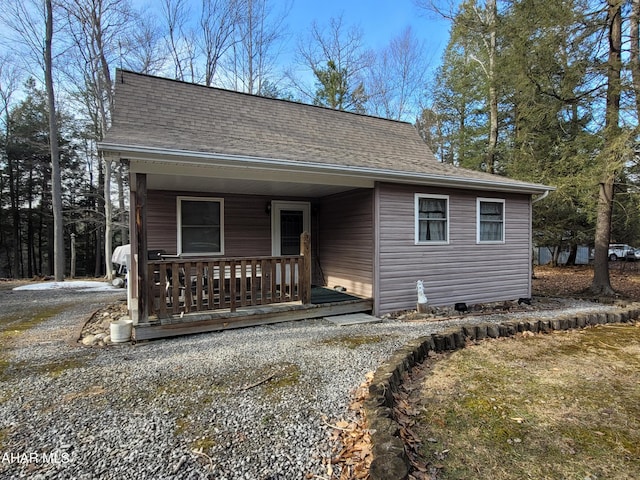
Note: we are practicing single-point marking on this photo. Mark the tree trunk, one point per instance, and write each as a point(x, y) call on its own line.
point(555, 256)
point(634, 51)
point(30, 239)
point(14, 192)
point(123, 224)
point(601, 284)
point(100, 230)
point(97, 272)
point(56, 181)
point(249, 46)
point(573, 254)
point(107, 220)
point(72, 268)
point(493, 94)
point(43, 229)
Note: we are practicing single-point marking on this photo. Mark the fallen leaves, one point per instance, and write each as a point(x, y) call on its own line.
point(354, 455)
point(568, 281)
point(404, 413)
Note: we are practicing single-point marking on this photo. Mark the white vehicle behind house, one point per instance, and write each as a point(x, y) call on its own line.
point(619, 251)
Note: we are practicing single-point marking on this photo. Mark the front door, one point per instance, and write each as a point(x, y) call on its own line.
point(288, 221)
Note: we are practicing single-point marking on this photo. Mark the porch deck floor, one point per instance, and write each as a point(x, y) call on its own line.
point(327, 295)
point(324, 302)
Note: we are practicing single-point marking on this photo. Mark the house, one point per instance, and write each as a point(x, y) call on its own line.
point(224, 183)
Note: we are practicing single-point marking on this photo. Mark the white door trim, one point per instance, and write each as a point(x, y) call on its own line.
point(278, 206)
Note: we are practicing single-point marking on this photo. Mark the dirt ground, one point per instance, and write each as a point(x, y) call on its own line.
point(574, 281)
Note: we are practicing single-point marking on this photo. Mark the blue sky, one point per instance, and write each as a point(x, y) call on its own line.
point(380, 20)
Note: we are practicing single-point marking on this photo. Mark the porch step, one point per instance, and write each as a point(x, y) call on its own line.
point(352, 319)
point(247, 317)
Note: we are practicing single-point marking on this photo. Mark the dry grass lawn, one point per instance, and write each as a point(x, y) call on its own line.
point(554, 406)
point(557, 406)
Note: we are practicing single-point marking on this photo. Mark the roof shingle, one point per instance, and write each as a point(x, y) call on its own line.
point(167, 114)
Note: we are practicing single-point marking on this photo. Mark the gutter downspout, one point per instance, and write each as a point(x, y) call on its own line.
point(541, 197)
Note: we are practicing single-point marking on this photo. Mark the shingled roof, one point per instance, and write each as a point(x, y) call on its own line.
point(162, 114)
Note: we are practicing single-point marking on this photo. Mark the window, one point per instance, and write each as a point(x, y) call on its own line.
point(432, 218)
point(490, 220)
point(200, 225)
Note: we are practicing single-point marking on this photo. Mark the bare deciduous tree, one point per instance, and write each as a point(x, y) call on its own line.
point(101, 30)
point(196, 51)
point(144, 51)
point(218, 21)
point(339, 47)
point(397, 79)
point(258, 33)
point(56, 179)
point(181, 49)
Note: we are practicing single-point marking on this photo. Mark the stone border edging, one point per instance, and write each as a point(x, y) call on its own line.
point(76, 337)
point(390, 461)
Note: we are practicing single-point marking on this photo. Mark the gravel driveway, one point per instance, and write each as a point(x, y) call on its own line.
point(252, 403)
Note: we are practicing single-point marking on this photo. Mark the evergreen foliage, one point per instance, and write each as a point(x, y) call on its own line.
point(551, 80)
point(334, 90)
point(563, 117)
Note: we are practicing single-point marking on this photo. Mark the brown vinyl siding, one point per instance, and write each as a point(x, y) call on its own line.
point(462, 271)
point(247, 225)
point(162, 221)
point(346, 241)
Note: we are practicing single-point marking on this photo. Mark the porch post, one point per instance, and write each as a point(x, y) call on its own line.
point(305, 276)
point(141, 240)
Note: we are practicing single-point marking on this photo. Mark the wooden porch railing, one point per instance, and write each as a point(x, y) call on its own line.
point(196, 285)
point(184, 285)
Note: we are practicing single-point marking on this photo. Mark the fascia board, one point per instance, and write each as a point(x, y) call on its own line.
point(204, 159)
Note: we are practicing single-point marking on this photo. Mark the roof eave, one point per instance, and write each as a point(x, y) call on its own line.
point(163, 155)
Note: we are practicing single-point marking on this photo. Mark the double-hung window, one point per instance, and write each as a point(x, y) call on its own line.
point(490, 220)
point(200, 226)
point(431, 219)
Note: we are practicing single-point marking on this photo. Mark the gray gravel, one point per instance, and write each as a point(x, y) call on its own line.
point(144, 411)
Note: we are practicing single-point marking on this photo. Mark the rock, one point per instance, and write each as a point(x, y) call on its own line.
point(388, 467)
point(88, 340)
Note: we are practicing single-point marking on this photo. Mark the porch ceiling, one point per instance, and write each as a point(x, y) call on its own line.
point(245, 185)
point(237, 178)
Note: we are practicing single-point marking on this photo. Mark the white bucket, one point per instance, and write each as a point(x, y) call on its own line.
point(121, 330)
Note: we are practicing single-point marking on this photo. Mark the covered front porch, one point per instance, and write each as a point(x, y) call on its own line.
point(173, 292)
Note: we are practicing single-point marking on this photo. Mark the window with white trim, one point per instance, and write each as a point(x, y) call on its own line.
point(431, 219)
point(200, 226)
point(490, 220)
